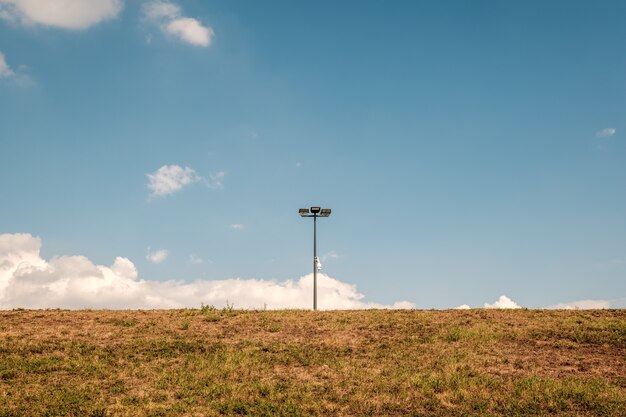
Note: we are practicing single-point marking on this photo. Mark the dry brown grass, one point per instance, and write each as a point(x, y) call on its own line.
point(209, 362)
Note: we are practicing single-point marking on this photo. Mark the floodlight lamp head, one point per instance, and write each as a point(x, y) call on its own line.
point(303, 212)
point(325, 212)
point(316, 210)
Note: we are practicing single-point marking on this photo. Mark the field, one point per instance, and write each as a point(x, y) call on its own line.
point(207, 361)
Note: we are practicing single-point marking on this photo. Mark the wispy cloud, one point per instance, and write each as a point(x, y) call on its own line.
point(237, 226)
point(27, 280)
point(606, 133)
point(18, 77)
point(5, 70)
point(168, 17)
point(65, 14)
point(216, 180)
point(195, 259)
point(332, 255)
point(502, 302)
point(157, 256)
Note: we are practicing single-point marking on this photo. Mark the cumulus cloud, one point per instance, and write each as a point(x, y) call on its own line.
point(157, 256)
point(66, 14)
point(463, 307)
point(503, 302)
point(5, 70)
point(29, 281)
point(170, 178)
point(606, 133)
point(169, 18)
point(583, 305)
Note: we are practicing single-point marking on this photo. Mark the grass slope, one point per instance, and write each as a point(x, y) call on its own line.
point(209, 362)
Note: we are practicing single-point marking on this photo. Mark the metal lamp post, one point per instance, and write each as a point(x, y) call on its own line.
point(315, 212)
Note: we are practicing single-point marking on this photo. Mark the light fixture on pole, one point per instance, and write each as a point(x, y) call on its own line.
point(315, 212)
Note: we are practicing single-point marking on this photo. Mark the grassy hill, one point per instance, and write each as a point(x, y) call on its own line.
point(207, 362)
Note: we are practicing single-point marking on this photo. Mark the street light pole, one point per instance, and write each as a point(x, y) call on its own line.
point(314, 212)
point(314, 261)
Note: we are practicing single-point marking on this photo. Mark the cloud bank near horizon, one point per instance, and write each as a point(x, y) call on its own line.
point(29, 281)
point(502, 302)
point(74, 282)
point(583, 305)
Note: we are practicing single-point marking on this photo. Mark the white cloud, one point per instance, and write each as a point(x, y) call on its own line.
point(66, 14)
point(606, 133)
point(157, 256)
point(583, 305)
point(5, 70)
point(169, 18)
point(191, 31)
point(398, 305)
point(503, 302)
point(237, 226)
point(170, 178)
point(29, 281)
point(463, 307)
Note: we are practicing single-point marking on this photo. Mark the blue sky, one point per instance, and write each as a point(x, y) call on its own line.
point(467, 149)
